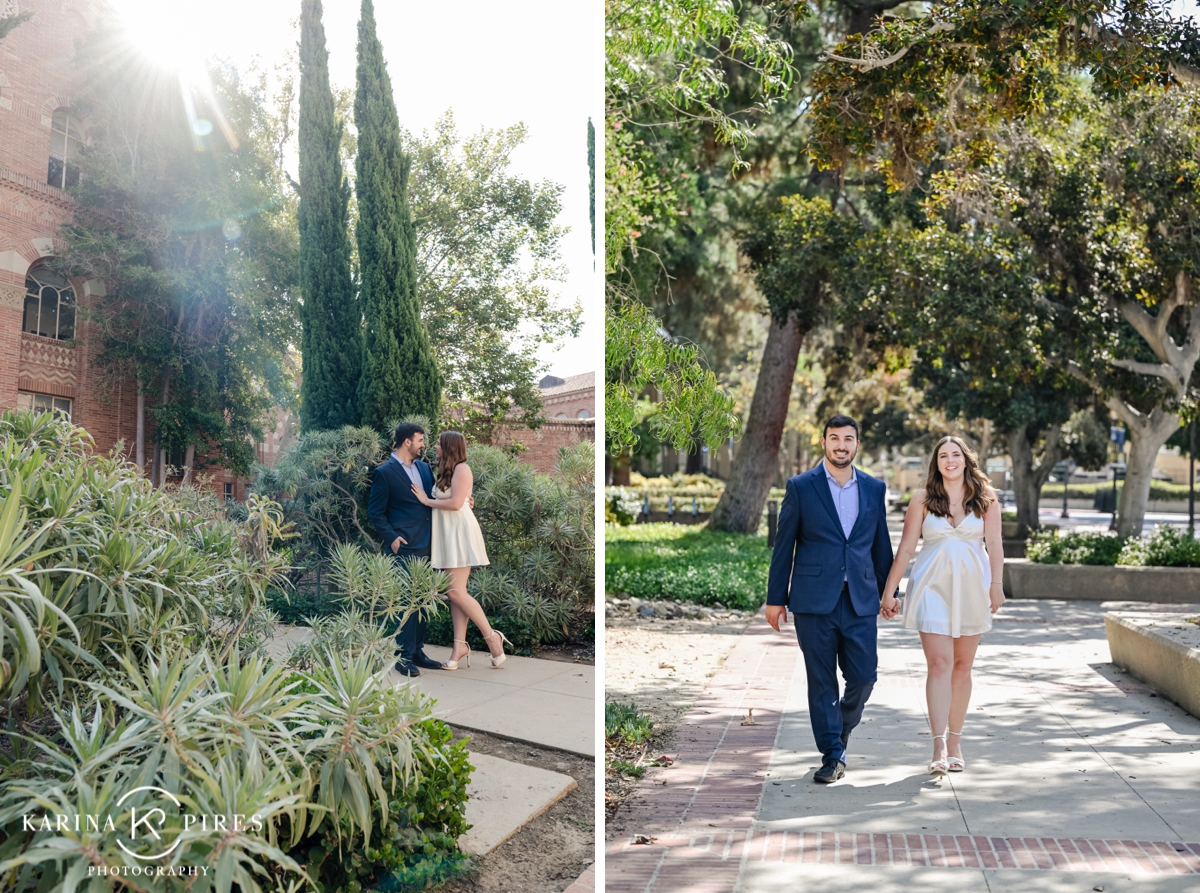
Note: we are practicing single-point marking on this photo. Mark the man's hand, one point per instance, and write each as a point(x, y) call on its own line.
point(776, 614)
point(396, 543)
point(889, 607)
point(471, 502)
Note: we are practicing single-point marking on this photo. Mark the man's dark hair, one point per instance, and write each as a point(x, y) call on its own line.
point(842, 421)
point(405, 431)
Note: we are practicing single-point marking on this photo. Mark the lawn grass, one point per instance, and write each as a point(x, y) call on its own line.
point(695, 564)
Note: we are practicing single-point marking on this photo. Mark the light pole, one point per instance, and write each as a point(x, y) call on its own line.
point(1192, 478)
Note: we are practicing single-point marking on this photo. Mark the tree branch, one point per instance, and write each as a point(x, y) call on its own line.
point(871, 59)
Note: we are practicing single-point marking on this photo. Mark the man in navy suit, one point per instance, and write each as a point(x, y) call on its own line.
point(832, 556)
point(405, 525)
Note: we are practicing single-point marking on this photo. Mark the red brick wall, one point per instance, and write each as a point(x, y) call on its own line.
point(570, 403)
point(543, 444)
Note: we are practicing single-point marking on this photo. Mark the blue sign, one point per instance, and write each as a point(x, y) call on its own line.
point(1117, 435)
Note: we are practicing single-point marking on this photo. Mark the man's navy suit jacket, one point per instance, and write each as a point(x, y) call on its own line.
point(393, 508)
point(813, 555)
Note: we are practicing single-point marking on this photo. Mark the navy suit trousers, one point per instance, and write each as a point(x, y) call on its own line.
point(843, 639)
point(410, 635)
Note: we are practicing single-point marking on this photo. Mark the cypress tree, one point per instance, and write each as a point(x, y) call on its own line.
point(399, 375)
point(330, 318)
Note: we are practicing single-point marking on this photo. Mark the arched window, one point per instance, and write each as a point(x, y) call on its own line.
point(584, 414)
point(49, 305)
point(66, 138)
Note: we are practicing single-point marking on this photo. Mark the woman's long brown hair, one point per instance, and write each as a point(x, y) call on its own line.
point(975, 484)
point(452, 452)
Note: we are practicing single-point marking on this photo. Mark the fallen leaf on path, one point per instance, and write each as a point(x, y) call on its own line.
point(642, 839)
point(666, 666)
point(749, 719)
point(664, 760)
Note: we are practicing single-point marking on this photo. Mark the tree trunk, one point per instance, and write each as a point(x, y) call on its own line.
point(1031, 472)
point(756, 463)
point(189, 458)
point(621, 469)
point(140, 441)
point(1147, 434)
point(695, 460)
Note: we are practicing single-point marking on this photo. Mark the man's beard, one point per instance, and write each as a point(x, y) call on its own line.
point(839, 463)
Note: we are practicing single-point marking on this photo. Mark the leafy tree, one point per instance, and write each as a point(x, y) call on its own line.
point(891, 90)
point(666, 61)
point(967, 304)
point(9, 23)
point(798, 257)
point(192, 232)
point(487, 265)
point(399, 374)
point(330, 316)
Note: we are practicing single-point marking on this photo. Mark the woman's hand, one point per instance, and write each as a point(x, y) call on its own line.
point(889, 607)
point(420, 494)
point(996, 596)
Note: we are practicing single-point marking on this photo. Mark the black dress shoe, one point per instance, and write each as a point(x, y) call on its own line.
point(831, 770)
point(425, 662)
point(406, 668)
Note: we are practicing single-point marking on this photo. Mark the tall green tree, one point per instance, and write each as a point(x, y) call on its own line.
point(330, 317)
point(400, 376)
point(488, 263)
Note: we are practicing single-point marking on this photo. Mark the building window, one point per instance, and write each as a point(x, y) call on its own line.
point(66, 138)
point(561, 415)
point(583, 414)
point(229, 491)
point(49, 305)
point(60, 406)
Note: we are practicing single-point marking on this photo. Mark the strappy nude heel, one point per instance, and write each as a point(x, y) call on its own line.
point(453, 664)
point(938, 768)
point(955, 764)
point(498, 661)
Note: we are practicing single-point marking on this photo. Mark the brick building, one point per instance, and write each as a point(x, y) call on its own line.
point(573, 397)
point(46, 353)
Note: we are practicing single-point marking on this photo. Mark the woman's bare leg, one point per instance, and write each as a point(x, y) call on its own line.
point(471, 609)
point(960, 684)
point(458, 618)
point(939, 658)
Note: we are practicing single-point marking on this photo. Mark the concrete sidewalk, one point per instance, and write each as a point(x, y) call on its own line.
point(1077, 776)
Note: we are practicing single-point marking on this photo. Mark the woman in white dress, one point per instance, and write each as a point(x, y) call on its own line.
point(457, 546)
point(955, 587)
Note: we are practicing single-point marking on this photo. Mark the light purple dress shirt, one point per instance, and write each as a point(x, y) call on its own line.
point(410, 468)
point(845, 500)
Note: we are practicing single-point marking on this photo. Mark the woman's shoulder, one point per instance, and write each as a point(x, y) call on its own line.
point(462, 468)
point(918, 496)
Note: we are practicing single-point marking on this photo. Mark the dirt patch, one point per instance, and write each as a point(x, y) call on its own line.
point(661, 664)
point(548, 854)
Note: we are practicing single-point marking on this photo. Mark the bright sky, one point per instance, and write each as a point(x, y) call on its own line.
point(494, 64)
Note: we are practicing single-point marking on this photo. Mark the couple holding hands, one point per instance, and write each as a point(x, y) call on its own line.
point(419, 516)
point(833, 566)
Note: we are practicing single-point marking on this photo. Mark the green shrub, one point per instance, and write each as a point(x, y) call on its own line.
point(416, 847)
point(1163, 547)
point(624, 725)
point(1160, 491)
point(298, 606)
point(669, 561)
point(1048, 547)
point(541, 541)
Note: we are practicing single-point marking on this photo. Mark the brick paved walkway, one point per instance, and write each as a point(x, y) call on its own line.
point(585, 883)
point(712, 822)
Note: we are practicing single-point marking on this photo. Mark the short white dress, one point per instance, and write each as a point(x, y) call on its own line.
point(948, 590)
point(457, 540)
